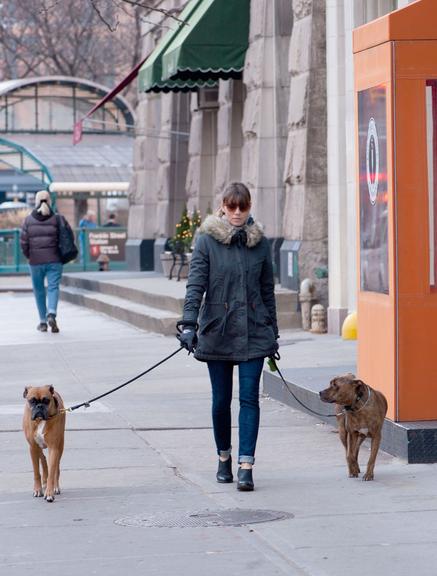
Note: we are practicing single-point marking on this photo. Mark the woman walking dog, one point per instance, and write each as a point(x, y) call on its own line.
point(231, 265)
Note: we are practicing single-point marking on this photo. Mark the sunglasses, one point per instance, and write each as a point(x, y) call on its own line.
point(232, 207)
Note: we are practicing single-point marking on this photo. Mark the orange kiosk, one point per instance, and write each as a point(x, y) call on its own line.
point(395, 59)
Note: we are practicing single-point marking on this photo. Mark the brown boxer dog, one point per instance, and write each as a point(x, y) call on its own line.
point(360, 414)
point(44, 426)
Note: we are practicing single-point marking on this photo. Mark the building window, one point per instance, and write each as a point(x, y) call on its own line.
point(368, 10)
point(54, 106)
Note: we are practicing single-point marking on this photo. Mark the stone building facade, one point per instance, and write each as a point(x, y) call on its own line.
point(286, 129)
point(267, 129)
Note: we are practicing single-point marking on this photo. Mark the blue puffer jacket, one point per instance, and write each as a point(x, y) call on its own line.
point(39, 238)
point(232, 267)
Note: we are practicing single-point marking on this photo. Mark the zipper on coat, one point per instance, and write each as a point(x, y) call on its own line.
point(226, 316)
point(254, 311)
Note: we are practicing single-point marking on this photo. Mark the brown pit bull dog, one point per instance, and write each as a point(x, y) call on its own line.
point(360, 414)
point(44, 426)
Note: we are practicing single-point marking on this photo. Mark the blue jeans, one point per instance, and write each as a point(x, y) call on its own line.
point(220, 373)
point(47, 303)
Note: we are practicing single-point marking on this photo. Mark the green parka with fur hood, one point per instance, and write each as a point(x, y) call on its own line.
point(232, 267)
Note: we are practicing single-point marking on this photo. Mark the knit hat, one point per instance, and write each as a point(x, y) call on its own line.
point(43, 202)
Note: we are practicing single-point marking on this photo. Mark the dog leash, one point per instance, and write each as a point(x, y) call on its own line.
point(275, 368)
point(87, 404)
point(272, 364)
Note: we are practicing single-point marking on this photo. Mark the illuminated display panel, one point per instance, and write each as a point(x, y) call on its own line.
point(372, 147)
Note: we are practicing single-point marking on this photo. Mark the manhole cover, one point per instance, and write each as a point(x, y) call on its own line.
point(205, 519)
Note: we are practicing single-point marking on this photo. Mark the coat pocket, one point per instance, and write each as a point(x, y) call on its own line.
point(212, 318)
point(259, 315)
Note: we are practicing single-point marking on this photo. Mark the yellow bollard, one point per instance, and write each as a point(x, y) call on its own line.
point(349, 330)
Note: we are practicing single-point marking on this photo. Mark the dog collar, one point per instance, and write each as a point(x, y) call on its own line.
point(351, 409)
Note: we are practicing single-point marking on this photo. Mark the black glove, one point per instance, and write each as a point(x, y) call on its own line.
point(188, 338)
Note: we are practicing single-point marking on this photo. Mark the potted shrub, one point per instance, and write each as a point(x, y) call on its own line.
point(176, 260)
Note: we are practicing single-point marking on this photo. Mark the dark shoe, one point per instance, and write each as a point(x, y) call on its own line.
point(245, 480)
point(51, 319)
point(42, 327)
point(224, 472)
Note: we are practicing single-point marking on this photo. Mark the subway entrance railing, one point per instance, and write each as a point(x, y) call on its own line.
point(94, 244)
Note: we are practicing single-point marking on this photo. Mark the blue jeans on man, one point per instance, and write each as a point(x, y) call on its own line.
point(220, 373)
point(46, 301)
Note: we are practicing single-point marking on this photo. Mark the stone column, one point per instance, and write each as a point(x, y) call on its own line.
point(157, 191)
point(202, 151)
point(229, 136)
point(142, 220)
point(264, 122)
point(350, 237)
point(305, 214)
point(173, 161)
point(338, 190)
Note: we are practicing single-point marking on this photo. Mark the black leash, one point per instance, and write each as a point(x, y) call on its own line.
point(275, 368)
point(87, 404)
point(272, 363)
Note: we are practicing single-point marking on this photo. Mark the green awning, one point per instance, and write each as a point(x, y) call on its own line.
point(212, 45)
point(149, 76)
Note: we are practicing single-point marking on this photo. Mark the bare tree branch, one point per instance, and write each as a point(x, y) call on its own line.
point(100, 40)
point(167, 13)
point(44, 37)
point(95, 6)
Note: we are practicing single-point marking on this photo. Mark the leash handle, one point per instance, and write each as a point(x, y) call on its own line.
point(87, 404)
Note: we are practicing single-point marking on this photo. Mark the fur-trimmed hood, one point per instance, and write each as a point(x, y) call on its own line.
point(222, 231)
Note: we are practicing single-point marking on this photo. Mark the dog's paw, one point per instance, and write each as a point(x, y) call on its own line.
point(57, 490)
point(49, 498)
point(367, 477)
point(37, 493)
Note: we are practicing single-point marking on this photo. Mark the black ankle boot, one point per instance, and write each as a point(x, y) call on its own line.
point(51, 319)
point(245, 480)
point(224, 472)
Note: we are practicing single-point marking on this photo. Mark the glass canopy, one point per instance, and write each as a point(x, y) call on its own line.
point(54, 104)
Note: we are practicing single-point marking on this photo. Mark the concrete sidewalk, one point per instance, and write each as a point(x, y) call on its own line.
point(18, 283)
point(144, 457)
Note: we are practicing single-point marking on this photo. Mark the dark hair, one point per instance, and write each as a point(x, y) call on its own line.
point(237, 194)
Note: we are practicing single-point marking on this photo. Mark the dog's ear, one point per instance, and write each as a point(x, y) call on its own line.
point(360, 387)
point(52, 392)
point(26, 390)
